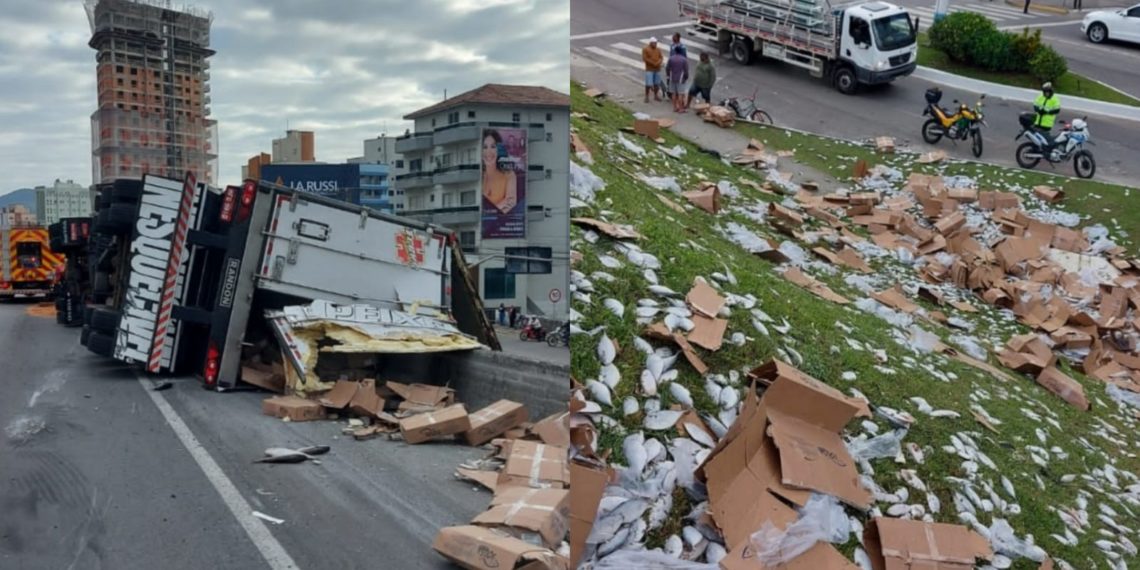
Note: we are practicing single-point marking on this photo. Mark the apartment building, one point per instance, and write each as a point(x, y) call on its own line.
point(153, 85)
point(492, 164)
point(62, 200)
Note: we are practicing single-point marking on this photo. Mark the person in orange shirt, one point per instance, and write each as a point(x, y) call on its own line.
point(654, 60)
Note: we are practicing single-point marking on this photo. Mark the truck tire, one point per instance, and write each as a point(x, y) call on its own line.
point(104, 320)
point(117, 219)
point(742, 51)
point(105, 198)
point(83, 334)
point(845, 81)
point(100, 343)
point(129, 191)
point(102, 284)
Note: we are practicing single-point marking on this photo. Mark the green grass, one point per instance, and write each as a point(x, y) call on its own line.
point(690, 245)
point(1069, 83)
point(1096, 202)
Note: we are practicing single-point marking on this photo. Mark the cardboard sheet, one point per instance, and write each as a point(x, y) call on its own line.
point(478, 548)
point(611, 230)
point(897, 544)
point(704, 299)
point(523, 513)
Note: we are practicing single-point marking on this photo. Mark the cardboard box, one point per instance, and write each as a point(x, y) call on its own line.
point(704, 299)
point(429, 425)
point(422, 396)
point(553, 429)
point(492, 421)
point(270, 378)
point(647, 128)
point(477, 548)
point(341, 394)
point(587, 485)
point(1049, 194)
point(1062, 385)
point(294, 408)
point(707, 199)
point(537, 465)
point(779, 449)
point(822, 556)
point(367, 401)
point(529, 514)
point(897, 544)
point(708, 333)
point(783, 213)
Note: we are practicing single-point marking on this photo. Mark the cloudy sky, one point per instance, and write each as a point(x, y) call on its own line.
point(343, 68)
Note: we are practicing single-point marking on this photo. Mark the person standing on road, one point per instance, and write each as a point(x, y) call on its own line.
point(1048, 106)
point(677, 72)
point(703, 79)
point(653, 60)
point(677, 45)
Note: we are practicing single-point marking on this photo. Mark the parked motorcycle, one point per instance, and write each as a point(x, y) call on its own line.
point(532, 331)
point(965, 123)
point(560, 337)
point(1069, 144)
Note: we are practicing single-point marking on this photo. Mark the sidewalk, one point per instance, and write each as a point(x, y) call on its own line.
point(1113, 110)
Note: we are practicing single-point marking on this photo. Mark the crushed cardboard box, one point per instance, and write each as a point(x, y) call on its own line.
point(421, 397)
point(707, 198)
point(897, 544)
point(531, 515)
point(537, 465)
point(478, 548)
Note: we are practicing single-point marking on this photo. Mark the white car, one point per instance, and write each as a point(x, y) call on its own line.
point(1122, 24)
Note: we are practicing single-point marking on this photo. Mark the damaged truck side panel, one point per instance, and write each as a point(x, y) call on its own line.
point(205, 263)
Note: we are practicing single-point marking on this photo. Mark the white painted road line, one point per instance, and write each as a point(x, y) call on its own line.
point(1076, 23)
point(683, 24)
point(271, 550)
point(618, 58)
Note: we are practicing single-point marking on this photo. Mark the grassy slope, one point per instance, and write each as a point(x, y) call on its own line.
point(1069, 83)
point(813, 335)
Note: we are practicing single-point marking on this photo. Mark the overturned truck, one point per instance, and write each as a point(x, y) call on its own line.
point(190, 271)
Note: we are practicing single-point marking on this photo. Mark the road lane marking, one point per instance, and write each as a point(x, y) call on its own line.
point(684, 24)
point(271, 550)
point(618, 58)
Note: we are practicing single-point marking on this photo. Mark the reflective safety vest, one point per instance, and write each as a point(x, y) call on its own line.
point(1047, 110)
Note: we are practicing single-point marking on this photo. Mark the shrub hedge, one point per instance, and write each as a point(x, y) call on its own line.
point(973, 39)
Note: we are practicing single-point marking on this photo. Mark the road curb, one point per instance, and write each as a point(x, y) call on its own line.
point(1068, 103)
point(1036, 8)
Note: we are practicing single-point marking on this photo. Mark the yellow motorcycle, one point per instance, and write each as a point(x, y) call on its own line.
point(965, 123)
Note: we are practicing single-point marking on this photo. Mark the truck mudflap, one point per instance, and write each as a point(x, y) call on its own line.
point(300, 330)
point(147, 333)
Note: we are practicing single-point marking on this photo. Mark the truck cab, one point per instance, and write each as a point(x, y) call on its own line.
point(878, 44)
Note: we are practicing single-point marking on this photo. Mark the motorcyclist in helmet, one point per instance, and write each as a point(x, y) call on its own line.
point(1047, 106)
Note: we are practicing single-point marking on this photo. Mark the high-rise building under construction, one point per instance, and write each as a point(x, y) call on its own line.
point(153, 91)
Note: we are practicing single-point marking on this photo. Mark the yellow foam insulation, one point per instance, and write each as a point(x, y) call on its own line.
point(354, 340)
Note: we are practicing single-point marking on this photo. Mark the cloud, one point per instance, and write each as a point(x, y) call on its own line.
point(347, 69)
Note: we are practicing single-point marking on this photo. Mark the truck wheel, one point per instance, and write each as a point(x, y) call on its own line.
point(126, 191)
point(118, 218)
point(104, 320)
point(102, 284)
point(742, 51)
point(100, 343)
point(104, 198)
point(84, 334)
point(844, 80)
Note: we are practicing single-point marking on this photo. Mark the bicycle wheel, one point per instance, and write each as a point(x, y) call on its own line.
point(761, 117)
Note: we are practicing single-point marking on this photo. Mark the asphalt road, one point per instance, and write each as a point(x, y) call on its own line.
point(797, 100)
point(92, 475)
point(1116, 64)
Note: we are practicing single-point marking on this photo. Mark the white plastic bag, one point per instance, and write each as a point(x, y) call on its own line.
point(584, 183)
point(821, 519)
point(886, 445)
point(1004, 541)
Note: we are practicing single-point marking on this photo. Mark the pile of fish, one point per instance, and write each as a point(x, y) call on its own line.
point(661, 449)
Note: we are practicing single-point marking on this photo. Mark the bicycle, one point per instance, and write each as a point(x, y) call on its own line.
point(749, 111)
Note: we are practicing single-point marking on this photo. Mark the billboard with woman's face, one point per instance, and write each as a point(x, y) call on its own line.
point(503, 153)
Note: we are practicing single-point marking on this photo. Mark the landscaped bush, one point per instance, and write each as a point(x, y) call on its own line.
point(971, 38)
point(993, 50)
point(1026, 45)
point(956, 33)
point(1048, 65)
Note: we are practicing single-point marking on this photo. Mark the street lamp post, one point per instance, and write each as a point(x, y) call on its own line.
point(941, 8)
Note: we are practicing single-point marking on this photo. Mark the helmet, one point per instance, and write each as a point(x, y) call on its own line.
point(1047, 87)
point(1079, 125)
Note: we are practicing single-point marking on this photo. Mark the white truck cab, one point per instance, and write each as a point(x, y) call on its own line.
point(879, 42)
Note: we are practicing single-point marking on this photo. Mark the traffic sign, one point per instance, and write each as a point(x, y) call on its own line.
point(555, 295)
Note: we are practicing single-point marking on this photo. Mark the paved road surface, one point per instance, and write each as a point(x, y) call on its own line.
point(796, 99)
point(509, 338)
point(92, 475)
